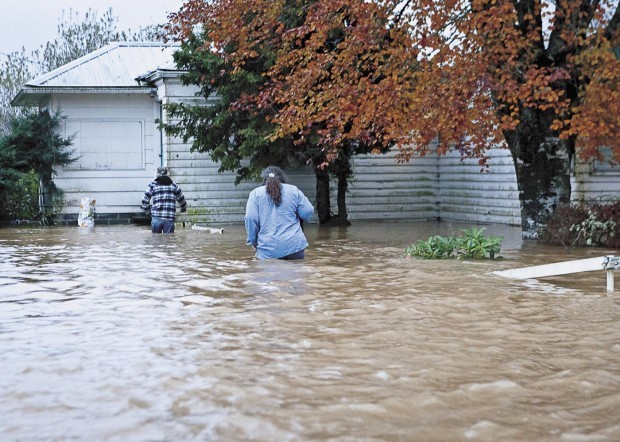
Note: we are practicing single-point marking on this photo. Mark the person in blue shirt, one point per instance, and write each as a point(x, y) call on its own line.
point(273, 216)
point(165, 195)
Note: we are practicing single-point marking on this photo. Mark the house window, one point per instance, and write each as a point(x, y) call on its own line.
point(604, 166)
point(107, 144)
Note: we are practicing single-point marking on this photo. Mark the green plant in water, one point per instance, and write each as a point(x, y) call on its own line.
point(471, 244)
point(594, 231)
point(436, 247)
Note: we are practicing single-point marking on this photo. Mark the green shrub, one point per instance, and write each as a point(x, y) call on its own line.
point(471, 244)
point(20, 200)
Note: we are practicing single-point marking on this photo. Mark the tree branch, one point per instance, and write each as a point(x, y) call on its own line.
point(613, 27)
point(398, 17)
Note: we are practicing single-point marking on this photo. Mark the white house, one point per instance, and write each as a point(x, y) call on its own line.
point(113, 97)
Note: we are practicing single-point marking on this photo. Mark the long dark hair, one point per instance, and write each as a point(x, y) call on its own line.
point(273, 177)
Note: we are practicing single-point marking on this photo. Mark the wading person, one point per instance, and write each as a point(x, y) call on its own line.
point(273, 217)
point(160, 199)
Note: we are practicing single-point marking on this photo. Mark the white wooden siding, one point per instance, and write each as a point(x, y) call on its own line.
point(116, 186)
point(113, 144)
point(467, 194)
point(212, 197)
point(589, 183)
point(384, 189)
point(424, 188)
point(435, 187)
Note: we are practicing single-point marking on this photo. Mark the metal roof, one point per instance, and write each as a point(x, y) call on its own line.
point(115, 66)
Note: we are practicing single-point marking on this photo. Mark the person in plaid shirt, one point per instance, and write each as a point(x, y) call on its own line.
point(165, 194)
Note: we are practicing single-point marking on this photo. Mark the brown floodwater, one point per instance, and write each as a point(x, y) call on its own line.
point(118, 334)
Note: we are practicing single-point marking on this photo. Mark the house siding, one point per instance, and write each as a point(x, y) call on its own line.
point(467, 192)
point(384, 189)
point(592, 183)
point(435, 187)
point(117, 189)
point(429, 187)
point(424, 188)
point(212, 197)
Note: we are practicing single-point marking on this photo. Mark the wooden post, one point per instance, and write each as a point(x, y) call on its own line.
point(610, 280)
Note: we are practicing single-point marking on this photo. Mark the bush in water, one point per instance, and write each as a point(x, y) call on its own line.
point(595, 224)
point(471, 244)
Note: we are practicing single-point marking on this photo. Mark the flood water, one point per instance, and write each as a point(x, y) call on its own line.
point(118, 334)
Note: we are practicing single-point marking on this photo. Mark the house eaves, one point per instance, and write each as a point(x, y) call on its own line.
point(168, 70)
point(34, 96)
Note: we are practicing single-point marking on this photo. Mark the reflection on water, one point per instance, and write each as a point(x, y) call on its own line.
point(118, 334)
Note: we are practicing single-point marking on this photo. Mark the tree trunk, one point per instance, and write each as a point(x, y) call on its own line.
point(542, 166)
point(341, 198)
point(45, 200)
point(342, 169)
point(48, 196)
point(322, 194)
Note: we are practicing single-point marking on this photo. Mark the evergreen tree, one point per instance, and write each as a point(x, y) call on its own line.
point(34, 146)
point(227, 132)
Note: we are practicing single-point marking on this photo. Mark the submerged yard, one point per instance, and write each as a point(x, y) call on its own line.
point(117, 334)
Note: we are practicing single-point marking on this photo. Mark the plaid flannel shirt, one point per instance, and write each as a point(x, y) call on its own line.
point(164, 198)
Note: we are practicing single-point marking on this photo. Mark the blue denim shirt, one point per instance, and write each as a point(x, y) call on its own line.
point(275, 231)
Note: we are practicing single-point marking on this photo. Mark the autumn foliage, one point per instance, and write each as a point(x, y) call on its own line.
point(409, 71)
point(470, 74)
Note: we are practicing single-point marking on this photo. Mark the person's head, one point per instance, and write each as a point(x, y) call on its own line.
point(162, 171)
point(273, 177)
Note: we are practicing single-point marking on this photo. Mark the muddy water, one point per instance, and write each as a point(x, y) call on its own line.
point(118, 334)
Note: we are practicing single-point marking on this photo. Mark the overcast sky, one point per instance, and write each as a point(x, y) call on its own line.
point(32, 23)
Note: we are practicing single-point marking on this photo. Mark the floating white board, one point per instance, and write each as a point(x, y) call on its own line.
point(554, 269)
point(207, 229)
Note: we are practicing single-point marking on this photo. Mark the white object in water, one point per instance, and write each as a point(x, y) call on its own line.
point(86, 217)
point(608, 263)
point(209, 229)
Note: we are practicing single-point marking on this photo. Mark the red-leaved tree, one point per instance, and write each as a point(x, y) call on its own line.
point(539, 77)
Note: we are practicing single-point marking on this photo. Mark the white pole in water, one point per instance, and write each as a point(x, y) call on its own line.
point(610, 280)
point(610, 263)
